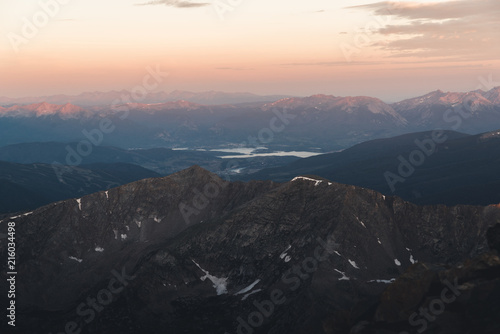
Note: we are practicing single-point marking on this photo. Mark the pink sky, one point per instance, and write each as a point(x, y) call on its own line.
point(388, 50)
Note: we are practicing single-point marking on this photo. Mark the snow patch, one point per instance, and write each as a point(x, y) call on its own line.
point(220, 284)
point(156, 219)
point(317, 182)
point(353, 264)
point(138, 224)
point(248, 288)
point(344, 277)
point(337, 253)
point(412, 260)
point(107, 194)
point(251, 293)
point(116, 234)
point(360, 221)
point(79, 201)
point(23, 215)
point(286, 250)
point(378, 240)
point(383, 281)
point(99, 249)
point(284, 255)
point(396, 261)
point(75, 259)
point(124, 237)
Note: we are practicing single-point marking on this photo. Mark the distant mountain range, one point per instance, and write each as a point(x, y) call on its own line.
point(466, 112)
point(106, 98)
point(41, 109)
point(317, 122)
point(452, 168)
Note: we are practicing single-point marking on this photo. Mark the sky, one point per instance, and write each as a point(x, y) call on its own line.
point(390, 50)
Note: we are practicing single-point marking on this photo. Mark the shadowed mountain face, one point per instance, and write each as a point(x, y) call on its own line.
point(160, 160)
point(26, 187)
point(425, 168)
point(192, 253)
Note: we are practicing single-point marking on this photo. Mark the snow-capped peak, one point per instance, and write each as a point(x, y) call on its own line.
point(67, 110)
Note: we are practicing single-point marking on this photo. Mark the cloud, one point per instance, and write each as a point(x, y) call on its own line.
point(467, 28)
point(418, 64)
point(175, 3)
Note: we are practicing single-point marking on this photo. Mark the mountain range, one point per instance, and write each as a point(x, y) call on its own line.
point(433, 167)
point(88, 99)
point(322, 122)
point(191, 253)
point(44, 109)
point(395, 230)
point(444, 167)
point(35, 174)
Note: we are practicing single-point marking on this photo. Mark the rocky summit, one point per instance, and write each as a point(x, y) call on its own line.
point(192, 253)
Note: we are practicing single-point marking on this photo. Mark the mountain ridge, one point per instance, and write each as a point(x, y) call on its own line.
point(460, 169)
point(98, 98)
point(491, 95)
point(316, 123)
point(41, 109)
point(240, 236)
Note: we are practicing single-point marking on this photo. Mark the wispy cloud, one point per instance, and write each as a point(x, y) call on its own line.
point(175, 3)
point(440, 29)
point(437, 63)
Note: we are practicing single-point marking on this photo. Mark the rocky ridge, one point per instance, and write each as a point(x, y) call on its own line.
point(201, 254)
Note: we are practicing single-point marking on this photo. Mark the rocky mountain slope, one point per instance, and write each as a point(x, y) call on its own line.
point(191, 253)
point(438, 298)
